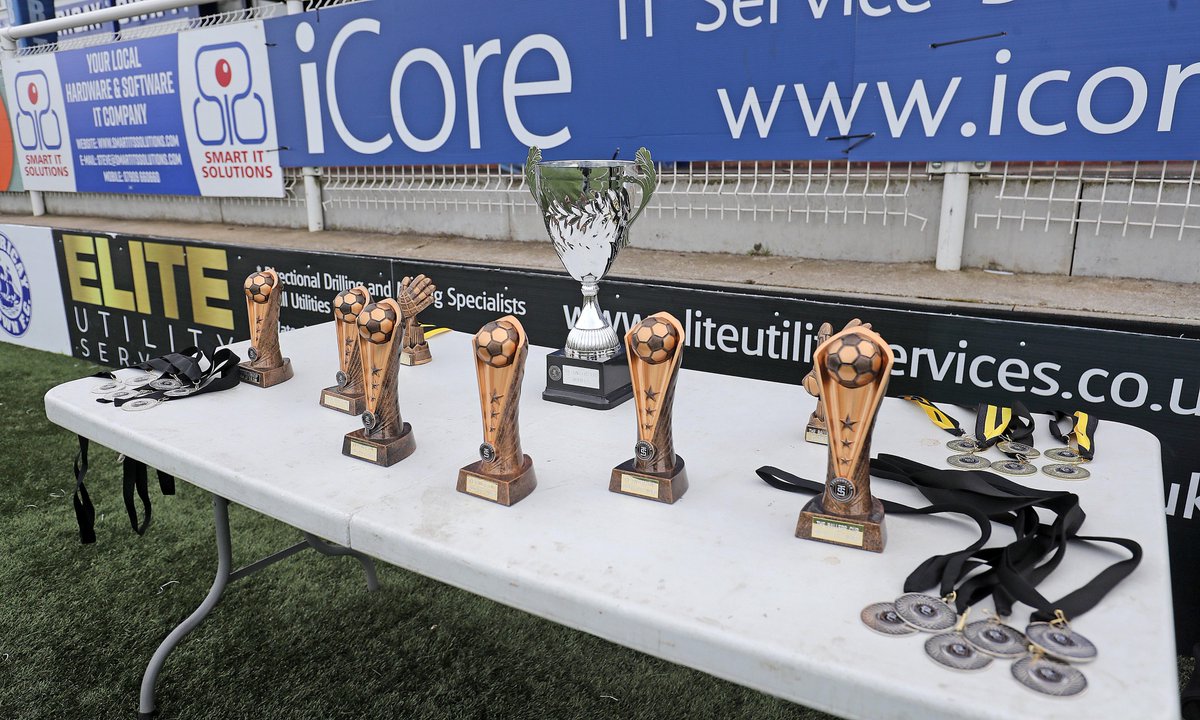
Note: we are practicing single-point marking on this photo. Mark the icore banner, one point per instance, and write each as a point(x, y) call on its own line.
point(181, 114)
point(469, 81)
point(130, 298)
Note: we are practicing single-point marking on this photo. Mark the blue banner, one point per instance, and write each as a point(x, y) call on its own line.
point(23, 12)
point(67, 8)
point(381, 83)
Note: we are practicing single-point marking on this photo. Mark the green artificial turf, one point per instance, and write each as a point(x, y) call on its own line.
point(302, 639)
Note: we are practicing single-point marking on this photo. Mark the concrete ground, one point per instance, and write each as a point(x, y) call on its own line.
point(1113, 299)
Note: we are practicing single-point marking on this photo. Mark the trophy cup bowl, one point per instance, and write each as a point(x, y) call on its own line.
point(588, 209)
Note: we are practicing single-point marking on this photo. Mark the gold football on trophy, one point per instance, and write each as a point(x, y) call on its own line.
point(496, 343)
point(376, 323)
point(258, 287)
point(854, 360)
point(654, 340)
point(349, 305)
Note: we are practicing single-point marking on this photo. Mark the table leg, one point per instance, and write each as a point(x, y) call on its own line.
point(146, 708)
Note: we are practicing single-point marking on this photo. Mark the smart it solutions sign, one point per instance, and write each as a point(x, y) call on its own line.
point(379, 83)
point(181, 114)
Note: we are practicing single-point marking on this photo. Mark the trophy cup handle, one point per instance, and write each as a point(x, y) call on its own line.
point(531, 163)
point(646, 178)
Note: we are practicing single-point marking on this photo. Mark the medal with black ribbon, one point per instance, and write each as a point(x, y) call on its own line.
point(1080, 442)
point(180, 375)
point(1017, 443)
point(991, 425)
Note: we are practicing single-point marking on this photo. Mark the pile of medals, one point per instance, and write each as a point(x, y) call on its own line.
point(170, 377)
point(1047, 652)
point(1010, 430)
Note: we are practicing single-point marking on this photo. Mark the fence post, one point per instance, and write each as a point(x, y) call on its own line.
point(312, 175)
point(952, 226)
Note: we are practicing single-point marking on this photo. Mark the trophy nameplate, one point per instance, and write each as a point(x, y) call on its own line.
point(587, 210)
point(852, 370)
point(503, 474)
point(817, 431)
point(348, 396)
point(415, 295)
point(385, 439)
point(267, 366)
point(655, 350)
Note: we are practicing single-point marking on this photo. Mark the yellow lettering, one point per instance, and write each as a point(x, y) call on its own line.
point(204, 288)
point(113, 296)
point(141, 289)
point(78, 269)
point(167, 258)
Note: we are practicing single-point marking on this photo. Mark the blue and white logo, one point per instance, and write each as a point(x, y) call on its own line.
point(16, 305)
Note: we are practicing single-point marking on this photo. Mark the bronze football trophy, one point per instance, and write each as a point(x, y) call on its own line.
point(415, 295)
point(852, 373)
point(655, 349)
point(384, 439)
point(503, 474)
point(267, 366)
point(817, 431)
point(347, 396)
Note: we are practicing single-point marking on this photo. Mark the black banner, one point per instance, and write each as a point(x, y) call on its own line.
point(130, 298)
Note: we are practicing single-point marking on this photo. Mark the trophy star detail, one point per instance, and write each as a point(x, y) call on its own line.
point(347, 396)
point(587, 210)
point(415, 295)
point(655, 348)
point(852, 368)
point(817, 431)
point(267, 366)
point(384, 439)
point(503, 474)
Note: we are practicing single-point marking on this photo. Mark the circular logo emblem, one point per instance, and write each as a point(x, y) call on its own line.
point(368, 419)
point(555, 373)
point(841, 489)
point(252, 354)
point(341, 378)
point(487, 452)
point(644, 450)
point(16, 304)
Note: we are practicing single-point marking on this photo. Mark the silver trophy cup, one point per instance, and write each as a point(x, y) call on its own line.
point(587, 210)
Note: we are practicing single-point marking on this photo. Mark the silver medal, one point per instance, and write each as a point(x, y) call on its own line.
point(1048, 677)
point(123, 394)
point(1013, 467)
point(180, 392)
point(968, 461)
point(1008, 447)
point(1061, 642)
point(996, 639)
point(1063, 454)
point(1066, 471)
point(140, 404)
point(883, 619)
point(925, 612)
point(953, 651)
point(140, 378)
point(108, 387)
point(165, 384)
point(964, 445)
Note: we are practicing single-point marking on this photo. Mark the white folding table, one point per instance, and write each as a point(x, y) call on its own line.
point(716, 581)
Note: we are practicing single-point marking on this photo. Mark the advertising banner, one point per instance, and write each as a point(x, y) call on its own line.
point(31, 301)
point(383, 83)
point(131, 298)
point(68, 8)
point(10, 174)
point(184, 114)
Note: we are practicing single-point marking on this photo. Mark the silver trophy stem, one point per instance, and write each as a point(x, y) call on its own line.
point(593, 337)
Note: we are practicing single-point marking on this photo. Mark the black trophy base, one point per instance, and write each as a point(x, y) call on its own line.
point(587, 383)
point(666, 488)
point(384, 451)
point(332, 398)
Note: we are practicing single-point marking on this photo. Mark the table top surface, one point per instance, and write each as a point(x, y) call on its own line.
point(716, 581)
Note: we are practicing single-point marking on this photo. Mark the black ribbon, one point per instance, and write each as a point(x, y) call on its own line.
point(221, 374)
point(85, 512)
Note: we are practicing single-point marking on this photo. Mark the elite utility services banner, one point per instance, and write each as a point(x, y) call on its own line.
point(130, 298)
point(182, 114)
point(474, 81)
